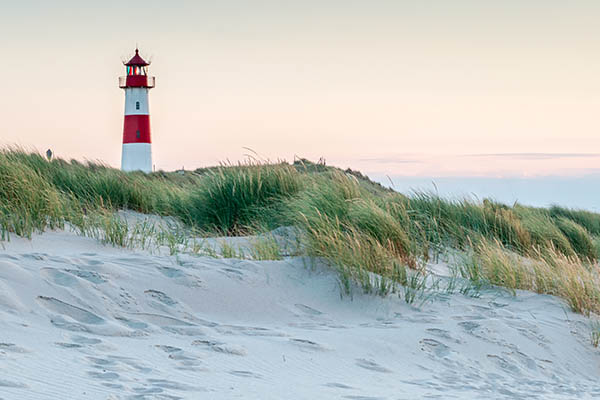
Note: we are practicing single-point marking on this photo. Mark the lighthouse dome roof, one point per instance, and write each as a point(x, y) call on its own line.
point(137, 60)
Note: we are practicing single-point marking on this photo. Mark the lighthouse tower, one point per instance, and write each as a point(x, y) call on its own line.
point(137, 146)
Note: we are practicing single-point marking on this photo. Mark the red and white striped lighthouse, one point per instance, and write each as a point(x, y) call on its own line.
point(137, 146)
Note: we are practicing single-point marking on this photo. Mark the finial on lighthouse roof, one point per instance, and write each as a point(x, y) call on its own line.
point(137, 61)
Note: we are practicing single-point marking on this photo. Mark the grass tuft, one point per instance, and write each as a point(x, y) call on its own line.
point(232, 200)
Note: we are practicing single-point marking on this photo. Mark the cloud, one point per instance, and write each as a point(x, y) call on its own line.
point(535, 156)
point(391, 160)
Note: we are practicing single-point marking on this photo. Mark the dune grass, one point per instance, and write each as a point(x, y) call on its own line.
point(551, 272)
point(27, 201)
point(232, 200)
point(374, 237)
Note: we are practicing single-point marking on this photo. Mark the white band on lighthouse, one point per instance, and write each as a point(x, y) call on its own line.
point(136, 101)
point(137, 157)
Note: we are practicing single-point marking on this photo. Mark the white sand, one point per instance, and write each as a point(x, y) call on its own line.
point(79, 320)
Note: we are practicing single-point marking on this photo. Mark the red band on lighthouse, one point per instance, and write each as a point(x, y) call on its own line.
point(136, 129)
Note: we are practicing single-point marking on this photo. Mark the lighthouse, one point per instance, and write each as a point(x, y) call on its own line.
point(137, 146)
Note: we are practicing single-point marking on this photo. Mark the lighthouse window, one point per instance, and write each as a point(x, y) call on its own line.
point(137, 134)
point(137, 105)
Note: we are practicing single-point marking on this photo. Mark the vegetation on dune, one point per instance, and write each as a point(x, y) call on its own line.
point(550, 272)
point(372, 235)
point(588, 220)
point(27, 201)
point(229, 199)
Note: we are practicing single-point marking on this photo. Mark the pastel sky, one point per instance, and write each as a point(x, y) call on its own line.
point(415, 88)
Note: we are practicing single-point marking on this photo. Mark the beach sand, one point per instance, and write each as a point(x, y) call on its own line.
point(80, 320)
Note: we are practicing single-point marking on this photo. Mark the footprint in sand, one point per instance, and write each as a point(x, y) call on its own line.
point(185, 360)
point(308, 345)
point(247, 331)
point(104, 376)
point(168, 349)
point(221, 347)
point(61, 323)
point(113, 386)
point(233, 271)
point(102, 362)
point(143, 321)
point(338, 385)
point(371, 365)
point(246, 374)
point(435, 347)
point(469, 326)
point(308, 310)
point(525, 360)
point(95, 263)
point(89, 276)
point(61, 260)
point(58, 277)
point(184, 330)
point(133, 324)
point(131, 363)
point(171, 272)
point(486, 334)
point(443, 334)
point(74, 312)
point(86, 340)
point(147, 390)
point(161, 297)
point(161, 320)
point(167, 384)
point(314, 326)
point(65, 345)
point(36, 256)
point(505, 365)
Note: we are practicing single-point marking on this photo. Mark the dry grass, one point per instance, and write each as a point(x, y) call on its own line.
point(550, 272)
point(265, 247)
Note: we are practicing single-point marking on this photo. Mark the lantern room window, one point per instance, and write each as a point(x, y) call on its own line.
point(137, 70)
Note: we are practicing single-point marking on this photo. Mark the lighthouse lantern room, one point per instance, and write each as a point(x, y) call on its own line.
point(137, 146)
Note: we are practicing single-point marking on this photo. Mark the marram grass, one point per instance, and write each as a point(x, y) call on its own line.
point(374, 237)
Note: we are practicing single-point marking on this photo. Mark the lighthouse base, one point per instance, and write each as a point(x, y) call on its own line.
point(137, 157)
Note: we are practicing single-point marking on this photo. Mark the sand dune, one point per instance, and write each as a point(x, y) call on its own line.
point(79, 320)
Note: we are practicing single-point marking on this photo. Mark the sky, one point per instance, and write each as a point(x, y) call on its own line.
point(422, 89)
